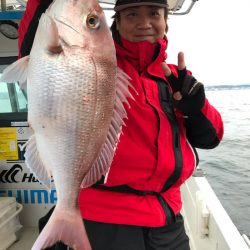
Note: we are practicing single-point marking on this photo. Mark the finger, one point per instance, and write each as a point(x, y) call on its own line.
point(166, 69)
point(181, 61)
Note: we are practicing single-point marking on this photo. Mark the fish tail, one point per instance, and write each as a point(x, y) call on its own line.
point(65, 226)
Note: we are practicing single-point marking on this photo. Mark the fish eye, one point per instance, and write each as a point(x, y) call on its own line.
point(93, 21)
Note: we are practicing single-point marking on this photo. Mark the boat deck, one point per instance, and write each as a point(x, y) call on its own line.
point(25, 238)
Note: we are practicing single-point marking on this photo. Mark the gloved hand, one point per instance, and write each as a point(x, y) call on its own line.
point(188, 93)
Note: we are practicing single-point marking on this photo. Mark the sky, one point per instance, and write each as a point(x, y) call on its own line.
point(215, 38)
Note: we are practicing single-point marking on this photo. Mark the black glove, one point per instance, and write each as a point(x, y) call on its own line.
point(188, 93)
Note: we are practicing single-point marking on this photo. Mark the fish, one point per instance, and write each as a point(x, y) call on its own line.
point(77, 100)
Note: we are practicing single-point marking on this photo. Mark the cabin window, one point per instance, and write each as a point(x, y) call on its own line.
point(5, 105)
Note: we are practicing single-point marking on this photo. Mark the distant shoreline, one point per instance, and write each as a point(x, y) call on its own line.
point(227, 86)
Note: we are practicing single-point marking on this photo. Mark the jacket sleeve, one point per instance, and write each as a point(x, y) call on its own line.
point(29, 23)
point(205, 130)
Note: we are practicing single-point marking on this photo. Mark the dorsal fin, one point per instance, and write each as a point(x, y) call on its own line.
point(104, 160)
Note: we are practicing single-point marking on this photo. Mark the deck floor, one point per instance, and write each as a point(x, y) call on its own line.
point(25, 238)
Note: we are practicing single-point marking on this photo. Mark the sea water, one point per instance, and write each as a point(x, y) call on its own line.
point(228, 165)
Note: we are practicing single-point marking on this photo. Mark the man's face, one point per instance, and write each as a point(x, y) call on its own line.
point(142, 23)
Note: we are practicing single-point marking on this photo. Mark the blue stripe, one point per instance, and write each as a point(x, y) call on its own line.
point(11, 15)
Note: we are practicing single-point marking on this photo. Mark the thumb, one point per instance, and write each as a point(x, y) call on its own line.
point(166, 70)
point(181, 61)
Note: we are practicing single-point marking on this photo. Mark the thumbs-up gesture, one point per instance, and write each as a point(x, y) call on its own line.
point(188, 93)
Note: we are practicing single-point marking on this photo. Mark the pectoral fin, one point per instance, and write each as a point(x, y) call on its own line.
point(35, 164)
point(17, 72)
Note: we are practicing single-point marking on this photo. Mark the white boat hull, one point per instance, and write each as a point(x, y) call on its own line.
point(207, 223)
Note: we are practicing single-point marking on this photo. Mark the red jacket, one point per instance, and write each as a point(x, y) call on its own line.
point(146, 156)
